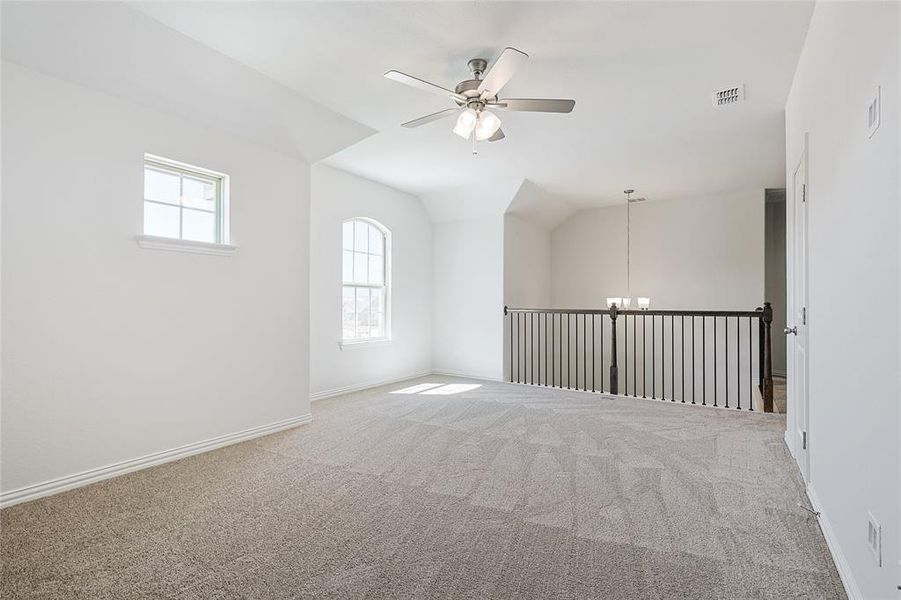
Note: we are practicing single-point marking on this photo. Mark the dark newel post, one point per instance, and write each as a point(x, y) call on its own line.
point(767, 358)
point(614, 371)
point(760, 352)
point(511, 343)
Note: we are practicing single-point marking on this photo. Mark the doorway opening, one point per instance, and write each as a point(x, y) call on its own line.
point(774, 288)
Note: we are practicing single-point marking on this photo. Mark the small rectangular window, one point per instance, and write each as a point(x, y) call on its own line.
point(184, 202)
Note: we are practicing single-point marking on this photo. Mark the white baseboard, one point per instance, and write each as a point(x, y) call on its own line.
point(84, 478)
point(452, 373)
point(358, 387)
point(788, 444)
point(838, 557)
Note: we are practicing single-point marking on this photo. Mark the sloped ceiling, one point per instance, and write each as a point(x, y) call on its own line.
point(642, 74)
point(538, 206)
point(114, 48)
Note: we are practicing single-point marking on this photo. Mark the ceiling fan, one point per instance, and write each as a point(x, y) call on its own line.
point(475, 96)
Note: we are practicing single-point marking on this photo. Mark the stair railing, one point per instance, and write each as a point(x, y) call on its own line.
point(690, 356)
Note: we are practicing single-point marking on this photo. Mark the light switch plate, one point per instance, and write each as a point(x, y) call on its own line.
point(874, 538)
point(874, 110)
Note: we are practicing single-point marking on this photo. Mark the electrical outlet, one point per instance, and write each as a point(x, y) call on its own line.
point(874, 110)
point(874, 538)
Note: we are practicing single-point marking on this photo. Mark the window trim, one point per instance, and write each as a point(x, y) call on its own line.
point(154, 242)
point(357, 343)
point(222, 212)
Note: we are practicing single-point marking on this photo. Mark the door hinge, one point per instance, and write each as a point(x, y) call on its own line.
point(803, 192)
point(803, 315)
point(803, 440)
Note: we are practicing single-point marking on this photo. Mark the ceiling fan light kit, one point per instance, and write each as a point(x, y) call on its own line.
point(474, 96)
point(466, 122)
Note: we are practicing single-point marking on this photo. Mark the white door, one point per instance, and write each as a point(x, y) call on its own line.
point(798, 319)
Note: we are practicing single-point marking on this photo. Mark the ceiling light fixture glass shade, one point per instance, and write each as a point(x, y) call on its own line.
point(644, 303)
point(487, 125)
point(466, 122)
point(611, 301)
point(627, 302)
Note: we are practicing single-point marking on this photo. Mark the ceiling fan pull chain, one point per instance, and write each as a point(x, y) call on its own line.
point(475, 152)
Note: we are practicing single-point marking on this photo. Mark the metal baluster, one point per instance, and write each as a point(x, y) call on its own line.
point(614, 366)
point(530, 366)
point(715, 389)
point(573, 349)
point(553, 347)
point(663, 357)
point(538, 346)
point(704, 361)
point(511, 344)
point(672, 356)
point(601, 319)
point(520, 336)
point(534, 346)
point(626, 352)
point(653, 357)
point(726, 352)
point(584, 352)
point(750, 367)
point(694, 376)
point(592, 353)
point(568, 348)
point(634, 356)
point(682, 352)
point(644, 357)
point(738, 360)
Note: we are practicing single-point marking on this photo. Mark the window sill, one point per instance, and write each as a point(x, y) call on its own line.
point(362, 344)
point(162, 243)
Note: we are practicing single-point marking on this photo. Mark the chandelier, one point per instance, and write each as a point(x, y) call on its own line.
point(625, 302)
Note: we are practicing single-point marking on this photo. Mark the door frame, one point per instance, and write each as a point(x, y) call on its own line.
point(798, 421)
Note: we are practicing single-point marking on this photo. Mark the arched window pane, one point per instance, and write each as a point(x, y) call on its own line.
point(361, 236)
point(347, 268)
point(365, 292)
point(348, 235)
point(376, 276)
point(361, 268)
point(376, 241)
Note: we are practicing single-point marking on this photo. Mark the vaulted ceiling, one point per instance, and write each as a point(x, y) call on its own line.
point(307, 78)
point(642, 74)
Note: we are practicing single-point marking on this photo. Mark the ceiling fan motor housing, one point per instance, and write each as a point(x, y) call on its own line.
point(469, 89)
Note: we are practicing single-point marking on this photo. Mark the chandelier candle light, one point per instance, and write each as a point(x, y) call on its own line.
point(624, 303)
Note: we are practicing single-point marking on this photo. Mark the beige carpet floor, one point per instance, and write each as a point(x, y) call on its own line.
point(503, 491)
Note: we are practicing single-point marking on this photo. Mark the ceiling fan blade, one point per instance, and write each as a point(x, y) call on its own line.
point(502, 70)
point(422, 84)
point(498, 135)
point(432, 117)
point(556, 105)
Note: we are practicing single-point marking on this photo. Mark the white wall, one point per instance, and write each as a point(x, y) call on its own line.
point(527, 281)
point(527, 263)
point(853, 280)
point(112, 351)
point(469, 297)
point(336, 197)
point(696, 253)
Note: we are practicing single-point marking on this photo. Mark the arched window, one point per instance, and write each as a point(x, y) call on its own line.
point(366, 273)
